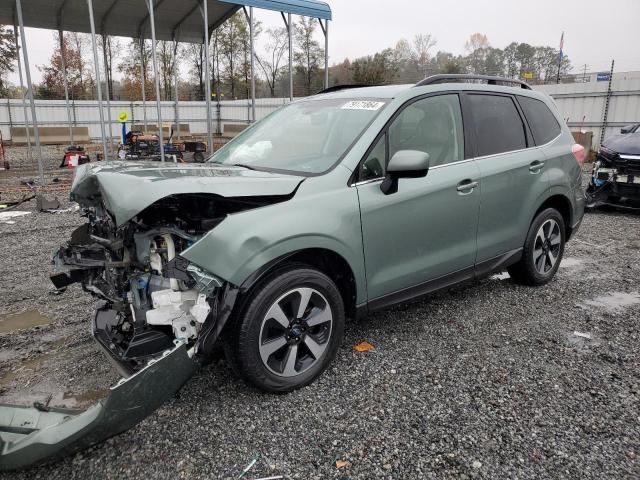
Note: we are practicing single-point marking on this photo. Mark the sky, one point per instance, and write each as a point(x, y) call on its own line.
point(363, 27)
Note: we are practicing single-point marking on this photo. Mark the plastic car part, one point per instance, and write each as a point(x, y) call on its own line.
point(29, 435)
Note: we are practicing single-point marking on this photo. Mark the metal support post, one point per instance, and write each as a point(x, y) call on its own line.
point(175, 85)
point(23, 94)
point(290, 28)
point(253, 75)
point(207, 74)
point(96, 65)
point(143, 81)
point(106, 83)
point(34, 118)
point(325, 29)
point(156, 76)
point(64, 78)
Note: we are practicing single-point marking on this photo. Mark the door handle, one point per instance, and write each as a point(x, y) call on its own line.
point(536, 166)
point(466, 186)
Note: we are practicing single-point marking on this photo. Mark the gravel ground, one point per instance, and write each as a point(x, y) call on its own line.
point(486, 380)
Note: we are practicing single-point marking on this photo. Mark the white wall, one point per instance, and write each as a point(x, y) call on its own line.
point(582, 105)
point(85, 113)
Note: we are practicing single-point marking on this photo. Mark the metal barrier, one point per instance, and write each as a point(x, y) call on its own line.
point(84, 113)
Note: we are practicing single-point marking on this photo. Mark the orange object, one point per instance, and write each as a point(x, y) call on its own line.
point(363, 347)
point(343, 463)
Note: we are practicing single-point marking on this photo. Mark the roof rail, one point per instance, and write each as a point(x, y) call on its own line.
point(336, 88)
point(446, 78)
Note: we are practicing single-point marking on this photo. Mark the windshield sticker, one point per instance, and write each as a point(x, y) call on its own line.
point(362, 105)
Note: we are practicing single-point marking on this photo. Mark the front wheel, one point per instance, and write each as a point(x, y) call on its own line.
point(289, 331)
point(543, 250)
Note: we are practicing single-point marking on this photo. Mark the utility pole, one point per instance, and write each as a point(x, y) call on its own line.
point(606, 104)
point(560, 57)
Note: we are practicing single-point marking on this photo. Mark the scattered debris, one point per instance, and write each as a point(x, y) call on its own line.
point(5, 217)
point(363, 347)
point(582, 335)
point(10, 205)
point(248, 467)
point(500, 276)
point(343, 463)
point(476, 464)
point(44, 205)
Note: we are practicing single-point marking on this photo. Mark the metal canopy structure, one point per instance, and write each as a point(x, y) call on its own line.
point(190, 21)
point(130, 18)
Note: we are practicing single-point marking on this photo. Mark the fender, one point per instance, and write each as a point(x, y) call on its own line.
point(245, 242)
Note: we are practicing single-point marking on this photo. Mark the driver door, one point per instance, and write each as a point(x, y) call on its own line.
point(424, 235)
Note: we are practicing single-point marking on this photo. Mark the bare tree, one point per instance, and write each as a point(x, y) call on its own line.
point(422, 43)
point(193, 53)
point(110, 48)
point(476, 41)
point(274, 52)
point(165, 51)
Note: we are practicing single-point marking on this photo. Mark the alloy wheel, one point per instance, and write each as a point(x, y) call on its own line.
point(295, 332)
point(546, 248)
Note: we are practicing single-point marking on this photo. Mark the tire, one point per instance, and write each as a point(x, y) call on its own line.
point(547, 242)
point(303, 349)
point(198, 157)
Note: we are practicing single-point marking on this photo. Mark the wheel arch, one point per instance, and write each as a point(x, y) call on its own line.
point(329, 262)
point(563, 205)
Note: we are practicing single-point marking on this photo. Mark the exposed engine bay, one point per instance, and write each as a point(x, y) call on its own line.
point(151, 295)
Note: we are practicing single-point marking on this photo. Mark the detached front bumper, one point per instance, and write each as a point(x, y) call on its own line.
point(30, 436)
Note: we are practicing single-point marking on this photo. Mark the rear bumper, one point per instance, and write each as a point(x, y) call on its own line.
point(30, 436)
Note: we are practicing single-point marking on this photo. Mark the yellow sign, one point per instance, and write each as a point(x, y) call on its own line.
point(123, 117)
point(528, 75)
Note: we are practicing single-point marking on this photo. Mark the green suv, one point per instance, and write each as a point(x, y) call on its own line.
point(332, 207)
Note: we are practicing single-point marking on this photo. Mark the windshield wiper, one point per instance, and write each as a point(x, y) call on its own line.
point(242, 165)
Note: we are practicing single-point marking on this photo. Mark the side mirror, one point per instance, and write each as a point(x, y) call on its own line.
point(629, 128)
point(404, 164)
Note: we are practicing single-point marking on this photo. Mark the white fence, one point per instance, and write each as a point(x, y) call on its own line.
point(583, 105)
point(85, 114)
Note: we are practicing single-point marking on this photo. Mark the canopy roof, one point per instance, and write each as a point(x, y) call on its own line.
point(130, 18)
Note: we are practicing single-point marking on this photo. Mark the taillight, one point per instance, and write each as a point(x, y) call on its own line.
point(579, 153)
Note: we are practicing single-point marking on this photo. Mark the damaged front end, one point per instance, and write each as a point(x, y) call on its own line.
point(615, 180)
point(159, 314)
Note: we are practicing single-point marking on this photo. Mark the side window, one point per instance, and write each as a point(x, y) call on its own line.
point(375, 163)
point(542, 122)
point(432, 125)
point(497, 124)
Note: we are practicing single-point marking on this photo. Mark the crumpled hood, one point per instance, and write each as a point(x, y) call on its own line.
point(127, 188)
point(628, 143)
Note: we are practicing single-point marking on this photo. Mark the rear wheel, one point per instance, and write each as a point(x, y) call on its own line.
point(290, 330)
point(543, 250)
point(198, 157)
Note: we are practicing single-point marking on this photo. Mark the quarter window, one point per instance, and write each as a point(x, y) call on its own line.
point(432, 125)
point(497, 124)
point(374, 165)
point(542, 122)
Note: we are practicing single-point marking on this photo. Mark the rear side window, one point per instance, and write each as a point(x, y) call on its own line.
point(542, 122)
point(497, 124)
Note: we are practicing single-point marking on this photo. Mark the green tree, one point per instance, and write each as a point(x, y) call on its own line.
point(308, 54)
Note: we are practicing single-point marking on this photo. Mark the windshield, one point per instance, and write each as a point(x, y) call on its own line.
point(304, 137)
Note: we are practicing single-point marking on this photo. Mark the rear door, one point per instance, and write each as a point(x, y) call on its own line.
point(512, 171)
